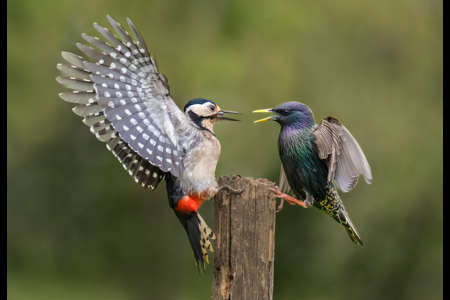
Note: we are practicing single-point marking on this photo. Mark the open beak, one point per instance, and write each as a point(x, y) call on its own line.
point(269, 110)
point(221, 115)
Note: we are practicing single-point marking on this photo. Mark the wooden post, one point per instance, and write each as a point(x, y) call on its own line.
point(245, 240)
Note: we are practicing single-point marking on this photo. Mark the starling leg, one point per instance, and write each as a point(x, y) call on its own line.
point(309, 199)
point(289, 199)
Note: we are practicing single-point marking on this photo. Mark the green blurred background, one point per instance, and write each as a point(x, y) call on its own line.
point(78, 227)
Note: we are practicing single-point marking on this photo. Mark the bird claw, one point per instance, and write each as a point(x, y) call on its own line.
point(289, 199)
point(231, 189)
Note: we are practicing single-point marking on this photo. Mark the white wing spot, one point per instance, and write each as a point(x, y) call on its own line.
point(125, 127)
point(132, 137)
point(168, 150)
point(145, 136)
point(128, 112)
point(153, 142)
point(141, 115)
point(123, 102)
point(160, 148)
point(138, 107)
point(118, 94)
point(139, 128)
point(116, 86)
point(107, 95)
point(133, 121)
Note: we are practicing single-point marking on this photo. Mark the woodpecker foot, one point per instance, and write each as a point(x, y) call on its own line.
point(289, 199)
point(231, 189)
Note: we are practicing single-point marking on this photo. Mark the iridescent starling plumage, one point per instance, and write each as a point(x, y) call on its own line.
point(315, 158)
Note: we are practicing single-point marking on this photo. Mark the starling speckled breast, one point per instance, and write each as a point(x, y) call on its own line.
point(315, 160)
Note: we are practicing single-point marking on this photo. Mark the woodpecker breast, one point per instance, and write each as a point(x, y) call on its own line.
point(200, 165)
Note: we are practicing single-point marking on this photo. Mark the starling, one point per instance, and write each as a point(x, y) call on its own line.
point(315, 160)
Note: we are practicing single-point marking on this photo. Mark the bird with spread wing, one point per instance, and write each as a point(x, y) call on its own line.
point(315, 160)
point(126, 103)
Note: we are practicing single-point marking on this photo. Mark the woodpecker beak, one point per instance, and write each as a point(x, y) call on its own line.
point(269, 110)
point(221, 115)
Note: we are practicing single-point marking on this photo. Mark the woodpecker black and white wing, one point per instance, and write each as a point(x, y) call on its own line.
point(345, 158)
point(126, 102)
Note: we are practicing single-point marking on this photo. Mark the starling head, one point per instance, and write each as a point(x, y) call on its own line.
point(290, 114)
point(206, 113)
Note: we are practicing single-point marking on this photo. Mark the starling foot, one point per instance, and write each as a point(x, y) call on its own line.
point(289, 199)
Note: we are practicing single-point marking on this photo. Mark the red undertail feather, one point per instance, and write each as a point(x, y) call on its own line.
point(198, 232)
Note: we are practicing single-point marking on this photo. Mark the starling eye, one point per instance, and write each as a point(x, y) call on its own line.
point(283, 112)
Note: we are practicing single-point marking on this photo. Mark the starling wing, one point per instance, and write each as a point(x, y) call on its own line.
point(345, 159)
point(126, 102)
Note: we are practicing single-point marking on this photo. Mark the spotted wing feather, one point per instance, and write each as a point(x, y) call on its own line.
point(126, 102)
point(345, 159)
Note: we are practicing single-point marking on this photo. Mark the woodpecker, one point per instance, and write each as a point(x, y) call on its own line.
point(126, 103)
point(315, 160)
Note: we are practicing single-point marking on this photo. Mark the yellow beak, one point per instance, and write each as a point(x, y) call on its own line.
point(268, 110)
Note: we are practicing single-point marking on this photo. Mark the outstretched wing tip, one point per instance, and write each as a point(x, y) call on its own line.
point(345, 158)
point(123, 67)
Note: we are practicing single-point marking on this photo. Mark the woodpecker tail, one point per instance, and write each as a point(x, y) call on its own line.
point(199, 235)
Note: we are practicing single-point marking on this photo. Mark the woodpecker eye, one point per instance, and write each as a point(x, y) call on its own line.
point(212, 107)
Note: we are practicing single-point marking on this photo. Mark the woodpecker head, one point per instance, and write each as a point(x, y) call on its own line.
point(206, 113)
point(289, 114)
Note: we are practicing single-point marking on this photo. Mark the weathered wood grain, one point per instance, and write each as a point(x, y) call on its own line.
point(245, 240)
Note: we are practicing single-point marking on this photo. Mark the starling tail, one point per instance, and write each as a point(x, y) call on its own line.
point(349, 227)
point(334, 207)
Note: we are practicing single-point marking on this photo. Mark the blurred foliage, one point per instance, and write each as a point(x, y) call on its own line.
point(78, 227)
